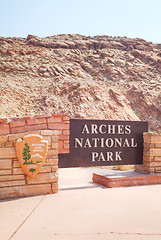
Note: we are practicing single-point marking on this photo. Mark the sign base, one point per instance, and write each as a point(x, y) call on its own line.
point(126, 178)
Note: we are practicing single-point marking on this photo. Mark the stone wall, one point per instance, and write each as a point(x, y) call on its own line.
point(13, 181)
point(152, 154)
point(40, 122)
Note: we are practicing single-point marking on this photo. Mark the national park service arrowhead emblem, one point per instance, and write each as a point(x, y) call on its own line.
point(31, 153)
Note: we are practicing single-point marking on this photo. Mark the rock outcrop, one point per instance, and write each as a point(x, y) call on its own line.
point(98, 77)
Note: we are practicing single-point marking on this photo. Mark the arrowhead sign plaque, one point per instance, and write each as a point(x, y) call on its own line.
point(31, 153)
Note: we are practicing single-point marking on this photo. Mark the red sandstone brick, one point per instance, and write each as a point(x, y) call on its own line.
point(52, 152)
point(54, 138)
point(43, 116)
point(55, 120)
point(59, 115)
point(60, 145)
point(17, 171)
point(27, 190)
point(158, 169)
point(158, 145)
point(152, 139)
point(152, 164)
point(146, 152)
point(66, 122)
point(66, 119)
point(63, 137)
point(36, 121)
point(5, 172)
point(149, 145)
point(149, 159)
point(9, 144)
point(13, 137)
point(3, 139)
point(43, 178)
point(55, 145)
point(11, 177)
point(54, 168)
point(28, 128)
point(45, 169)
point(149, 169)
point(4, 120)
point(60, 132)
point(54, 187)
point(12, 183)
point(66, 132)
point(2, 145)
point(17, 124)
point(66, 146)
point(127, 182)
point(145, 133)
point(65, 126)
point(4, 129)
point(48, 138)
point(155, 152)
point(16, 164)
point(5, 163)
point(63, 151)
point(58, 126)
point(50, 132)
point(21, 118)
point(57, 132)
point(52, 161)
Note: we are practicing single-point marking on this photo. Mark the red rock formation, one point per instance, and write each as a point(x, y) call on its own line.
point(98, 77)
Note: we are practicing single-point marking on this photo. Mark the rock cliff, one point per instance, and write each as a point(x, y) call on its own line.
point(99, 77)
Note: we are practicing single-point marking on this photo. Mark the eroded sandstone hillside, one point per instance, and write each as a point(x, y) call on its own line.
point(98, 77)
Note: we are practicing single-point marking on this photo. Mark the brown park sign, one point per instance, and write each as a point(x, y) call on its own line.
point(31, 153)
point(104, 143)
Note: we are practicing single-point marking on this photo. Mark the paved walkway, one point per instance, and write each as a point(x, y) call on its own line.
point(83, 210)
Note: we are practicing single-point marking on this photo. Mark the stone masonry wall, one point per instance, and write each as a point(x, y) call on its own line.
point(40, 122)
point(152, 154)
point(13, 181)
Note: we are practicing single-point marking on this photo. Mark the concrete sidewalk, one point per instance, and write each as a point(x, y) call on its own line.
point(83, 210)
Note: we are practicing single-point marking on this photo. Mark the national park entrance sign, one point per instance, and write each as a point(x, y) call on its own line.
point(50, 145)
point(104, 143)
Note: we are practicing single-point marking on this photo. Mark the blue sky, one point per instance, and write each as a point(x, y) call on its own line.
point(131, 18)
